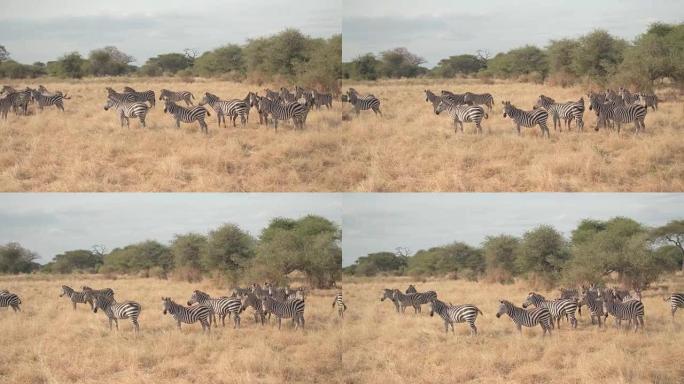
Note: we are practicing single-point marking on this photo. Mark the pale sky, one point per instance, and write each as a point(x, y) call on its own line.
point(43, 30)
point(437, 29)
point(385, 221)
point(51, 223)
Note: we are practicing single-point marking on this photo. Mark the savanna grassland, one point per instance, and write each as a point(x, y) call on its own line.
point(410, 148)
point(409, 348)
point(86, 149)
point(48, 342)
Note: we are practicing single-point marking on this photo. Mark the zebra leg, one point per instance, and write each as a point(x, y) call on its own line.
point(110, 323)
point(74, 303)
point(237, 321)
point(279, 320)
point(519, 327)
point(142, 120)
point(136, 326)
point(518, 127)
point(473, 328)
point(60, 106)
point(116, 322)
point(377, 111)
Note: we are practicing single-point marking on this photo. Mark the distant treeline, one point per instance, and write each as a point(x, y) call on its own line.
point(288, 56)
point(633, 253)
point(597, 57)
point(309, 245)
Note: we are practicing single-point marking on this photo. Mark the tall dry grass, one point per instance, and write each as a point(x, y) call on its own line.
point(48, 342)
point(409, 148)
point(85, 149)
point(383, 346)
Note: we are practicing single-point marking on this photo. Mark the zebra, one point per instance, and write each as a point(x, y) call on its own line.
point(389, 294)
point(127, 110)
point(603, 109)
point(454, 98)
point(20, 100)
point(626, 296)
point(115, 311)
point(231, 108)
point(126, 96)
point(465, 313)
point(676, 301)
point(612, 96)
point(558, 308)
point(295, 111)
point(569, 293)
point(526, 317)
point(632, 310)
point(76, 297)
point(627, 96)
point(129, 89)
point(142, 97)
point(273, 95)
point(479, 99)
point(630, 113)
point(45, 91)
point(648, 100)
point(221, 306)
point(287, 96)
point(187, 115)
point(411, 289)
point(432, 98)
point(322, 99)
point(258, 291)
point(188, 315)
point(240, 292)
point(176, 96)
point(527, 118)
point(339, 303)
point(463, 113)
point(416, 300)
point(48, 100)
point(363, 103)
point(566, 111)
point(284, 310)
point(5, 105)
point(8, 299)
point(591, 299)
point(250, 299)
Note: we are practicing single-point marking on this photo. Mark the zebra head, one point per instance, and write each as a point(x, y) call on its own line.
point(66, 290)
point(168, 305)
point(163, 94)
point(100, 301)
point(110, 103)
point(532, 299)
point(169, 106)
point(436, 306)
point(197, 296)
point(504, 308)
point(208, 98)
point(387, 294)
point(508, 108)
point(441, 107)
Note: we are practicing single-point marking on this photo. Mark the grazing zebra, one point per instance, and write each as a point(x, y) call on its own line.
point(676, 301)
point(603, 109)
point(126, 96)
point(363, 103)
point(558, 308)
point(465, 313)
point(415, 300)
point(526, 317)
point(322, 99)
point(389, 294)
point(231, 108)
point(591, 299)
point(411, 289)
point(295, 111)
point(479, 99)
point(48, 100)
point(463, 113)
point(76, 297)
point(285, 309)
point(287, 96)
point(187, 115)
point(527, 118)
point(630, 113)
point(176, 96)
point(339, 303)
point(222, 306)
point(648, 100)
point(142, 97)
point(566, 111)
point(454, 98)
point(632, 310)
point(188, 315)
point(251, 300)
point(115, 311)
point(127, 110)
point(8, 299)
point(432, 98)
point(20, 100)
point(273, 95)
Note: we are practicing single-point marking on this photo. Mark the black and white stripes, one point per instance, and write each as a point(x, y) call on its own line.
point(189, 315)
point(339, 304)
point(463, 114)
point(177, 96)
point(527, 118)
point(676, 301)
point(9, 299)
point(187, 115)
point(465, 313)
point(222, 306)
point(526, 317)
point(363, 103)
point(116, 311)
point(293, 309)
point(126, 110)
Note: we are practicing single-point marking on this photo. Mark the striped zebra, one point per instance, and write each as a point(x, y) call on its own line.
point(389, 294)
point(411, 289)
point(566, 111)
point(635, 113)
point(526, 317)
point(463, 113)
point(569, 293)
point(603, 109)
point(273, 95)
point(48, 100)
point(221, 306)
point(363, 103)
point(5, 106)
point(632, 310)
point(415, 300)
point(485, 99)
point(240, 292)
point(527, 118)
point(627, 96)
point(611, 95)
point(105, 291)
point(258, 290)
point(432, 98)
point(187, 115)
point(128, 89)
point(464, 313)
point(230, 108)
point(322, 99)
point(131, 97)
point(648, 100)
point(75, 296)
point(293, 309)
point(295, 111)
point(454, 98)
point(177, 96)
point(46, 92)
point(116, 311)
point(127, 109)
point(591, 299)
point(676, 301)
point(8, 299)
point(558, 308)
point(20, 100)
point(287, 96)
point(251, 300)
point(339, 303)
point(188, 315)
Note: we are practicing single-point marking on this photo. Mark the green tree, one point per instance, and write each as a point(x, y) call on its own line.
point(399, 62)
point(16, 259)
point(4, 55)
point(460, 64)
point(672, 233)
point(561, 54)
point(457, 257)
point(380, 262)
point(189, 250)
point(598, 54)
point(220, 61)
point(80, 260)
point(365, 67)
point(71, 65)
point(109, 61)
point(542, 253)
point(229, 249)
point(499, 254)
point(166, 63)
point(520, 61)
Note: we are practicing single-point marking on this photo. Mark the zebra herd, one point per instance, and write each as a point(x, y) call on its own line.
point(537, 310)
point(18, 100)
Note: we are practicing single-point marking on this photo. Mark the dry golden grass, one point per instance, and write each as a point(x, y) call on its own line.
point(409, 148)
point(382, 346)
point(48, 342)
point(85, 149)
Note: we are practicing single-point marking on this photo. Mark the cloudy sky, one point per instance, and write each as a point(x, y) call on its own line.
point(50, 223)
point(436, 29)
point(383, 222)
point(42, 30)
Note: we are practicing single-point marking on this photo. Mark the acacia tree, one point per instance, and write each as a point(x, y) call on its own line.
point(673, 233)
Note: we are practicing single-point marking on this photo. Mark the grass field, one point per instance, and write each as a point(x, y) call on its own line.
point(409, 148)
point(85, 149)
point(392, 348)
point(48, 342)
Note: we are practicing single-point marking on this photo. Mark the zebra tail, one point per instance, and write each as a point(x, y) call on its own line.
point(486, 116)
point(478, 309)
point(208, 114)
point(192, 96)
point(64, 96)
